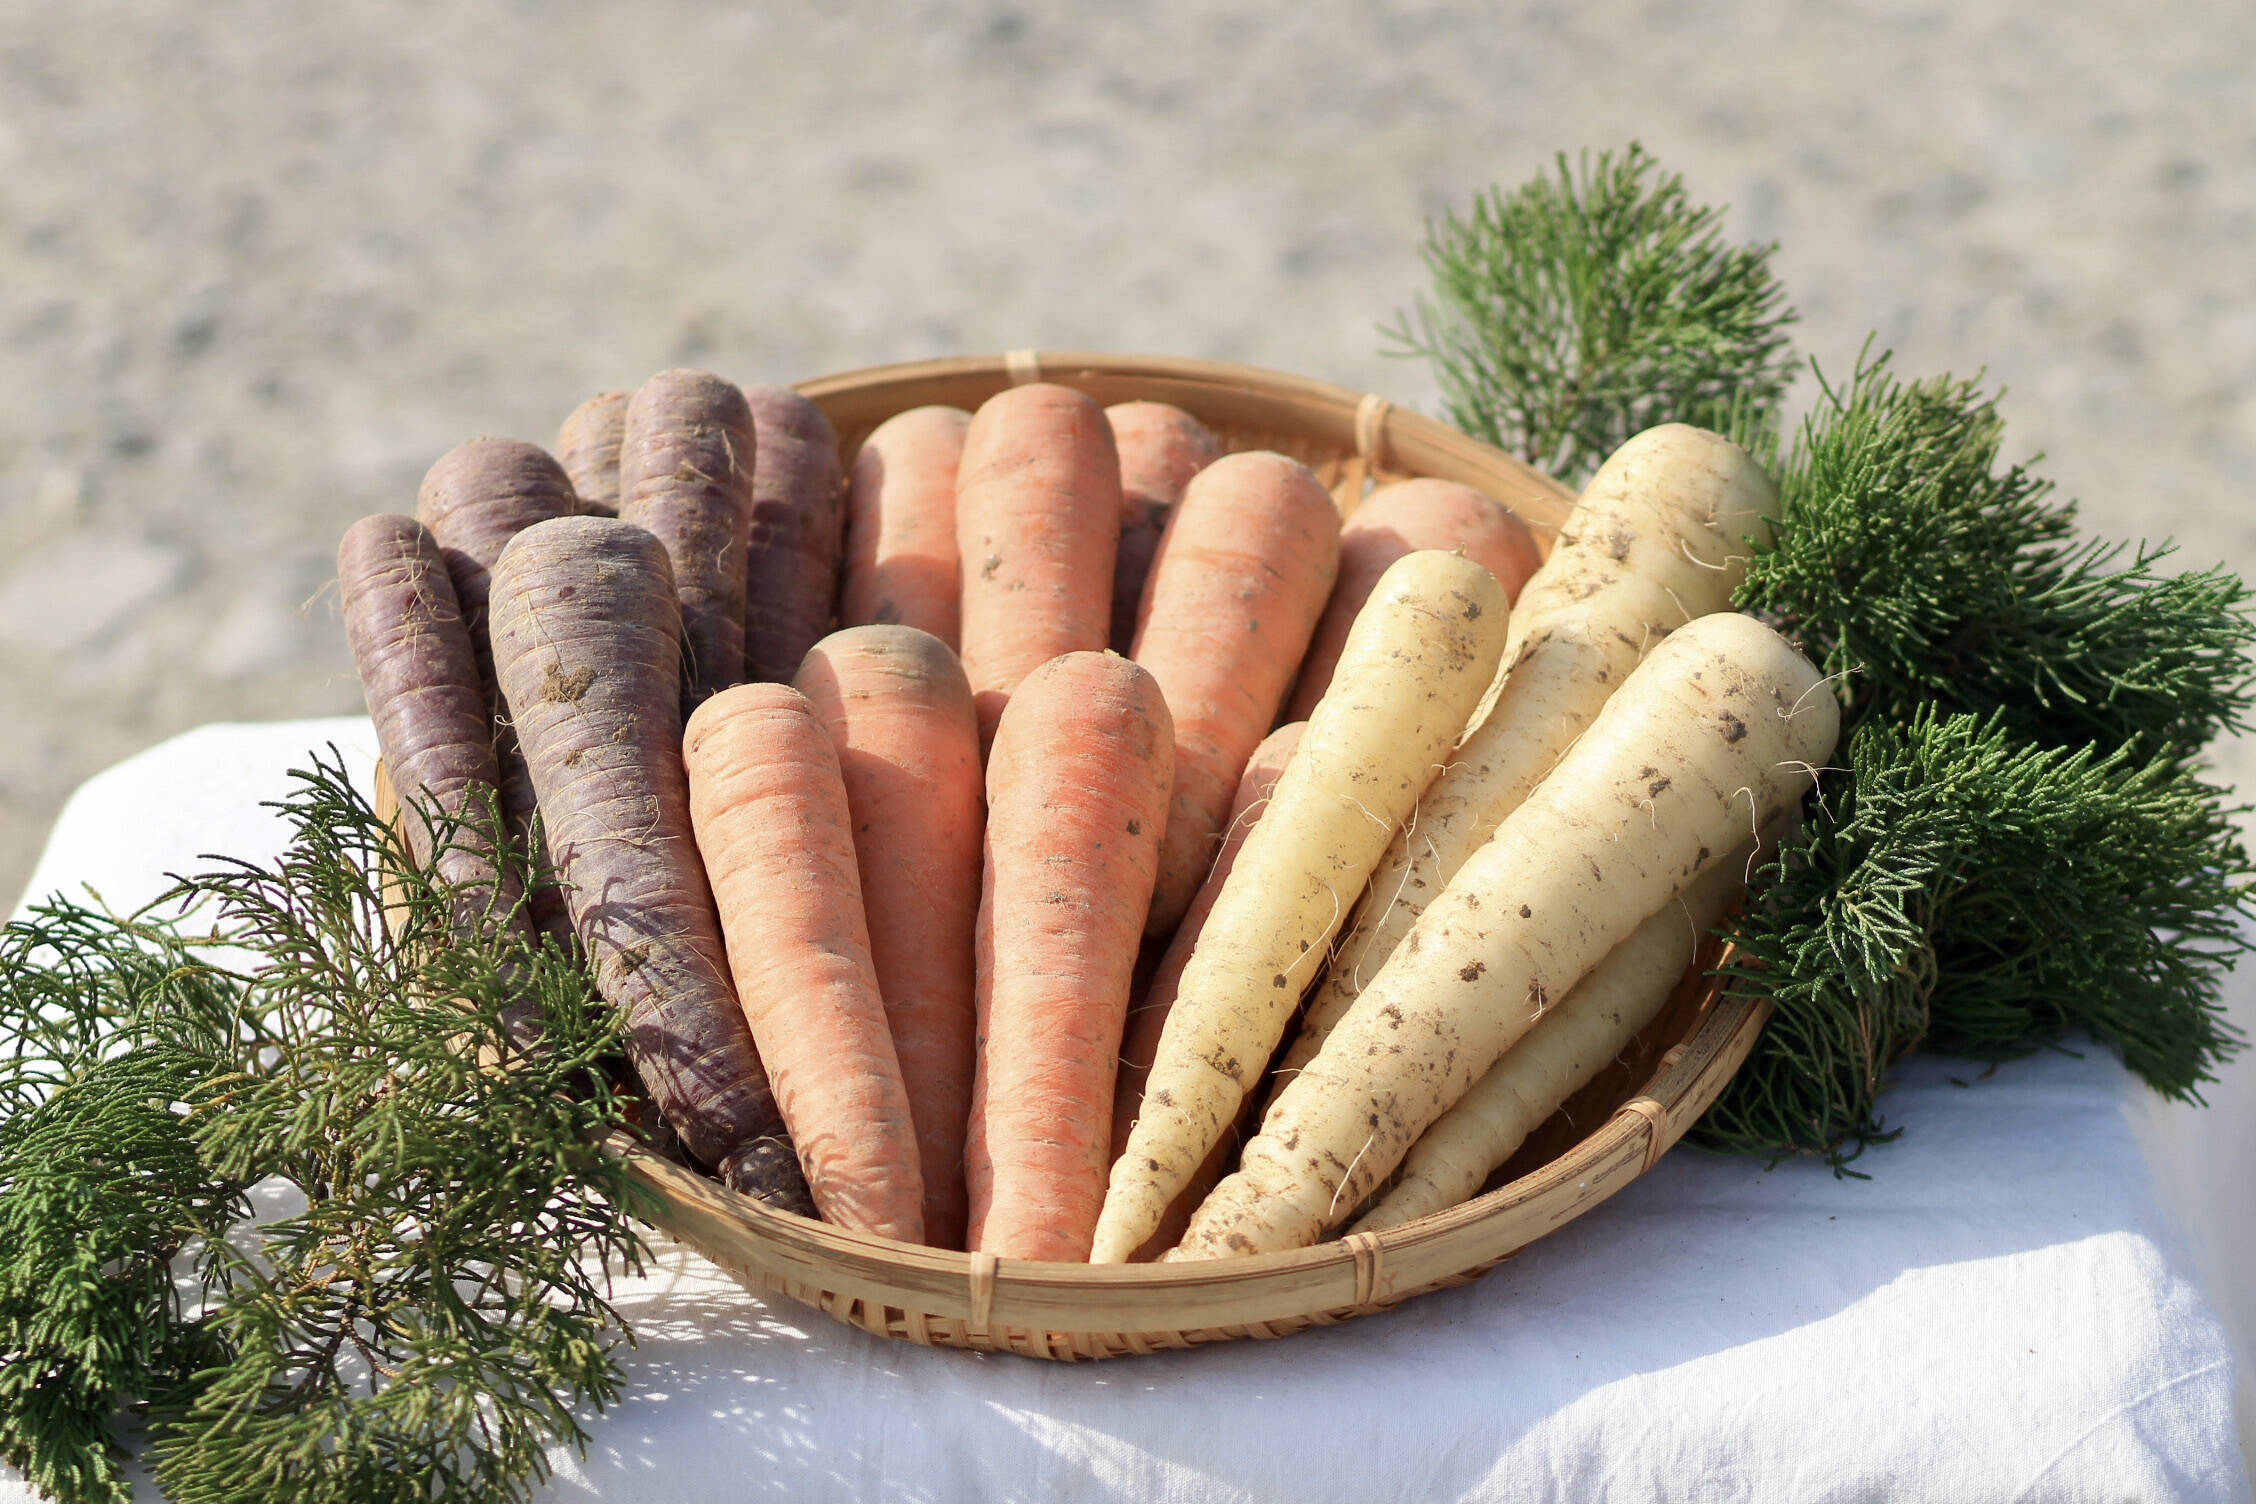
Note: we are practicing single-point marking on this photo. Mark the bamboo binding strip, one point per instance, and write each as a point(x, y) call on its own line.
point(1070, 1311)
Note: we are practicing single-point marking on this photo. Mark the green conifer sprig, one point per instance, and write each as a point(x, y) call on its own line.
point(2023, 846)
point(1582, 308)
point(110, 1026)
point(427, 1325)
point(1969, 889)
point(1909, 560)
point(432, 1317)
point(100, 1186)
point(79, 985)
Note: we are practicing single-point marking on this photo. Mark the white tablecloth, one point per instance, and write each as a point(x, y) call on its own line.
point(2003, 1312)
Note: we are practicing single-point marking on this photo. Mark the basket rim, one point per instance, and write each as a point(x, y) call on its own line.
point(1376, 429)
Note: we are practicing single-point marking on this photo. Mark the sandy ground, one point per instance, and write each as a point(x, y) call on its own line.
point(260, 263)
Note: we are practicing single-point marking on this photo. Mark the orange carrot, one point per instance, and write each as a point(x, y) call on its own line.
point(1161, 448)
point(1396, 520)
point(901, 524)
point(1240, 577)
point(1077, 793)
point(1037, 525)
point(899, 710)
point(798, 526)
point(587, 445)
point(768, 806)
point(685, 475)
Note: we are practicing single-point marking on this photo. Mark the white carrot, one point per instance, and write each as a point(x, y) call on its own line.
point(1715, 730)
point(1147, 1018)
point(1421, 655)
point(1562, 1054)
point(1659, 537)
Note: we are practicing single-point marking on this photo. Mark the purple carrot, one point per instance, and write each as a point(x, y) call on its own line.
point(474, 500)
point(588, 448)
point(420, 679)
point(798, 530)
point(685, 475)
point(586, 633)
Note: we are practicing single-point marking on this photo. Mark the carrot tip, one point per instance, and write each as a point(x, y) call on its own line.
point(767, 1170)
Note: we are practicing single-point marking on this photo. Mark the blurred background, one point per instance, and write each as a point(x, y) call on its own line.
point(261, 263)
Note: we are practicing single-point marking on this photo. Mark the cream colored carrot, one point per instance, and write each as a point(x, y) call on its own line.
point(1147, 1018)
point(1419, 659)
point(1711, 736)
point(1561, 1054)
point(1658, 538)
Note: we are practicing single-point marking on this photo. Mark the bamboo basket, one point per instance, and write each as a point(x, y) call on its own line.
point(1606, 1137)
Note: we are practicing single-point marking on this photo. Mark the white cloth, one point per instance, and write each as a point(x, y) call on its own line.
point(2001, 1312)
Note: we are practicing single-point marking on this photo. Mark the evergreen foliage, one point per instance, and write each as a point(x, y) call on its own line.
point(428, 1320)
point(100, 1186)
point(1969, 889)
point(1581, 309)
point(111, 1027)
point(2023, 846)
point(1908, 559)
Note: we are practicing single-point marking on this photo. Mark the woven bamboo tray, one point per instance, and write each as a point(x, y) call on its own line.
point(1602, 1140)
